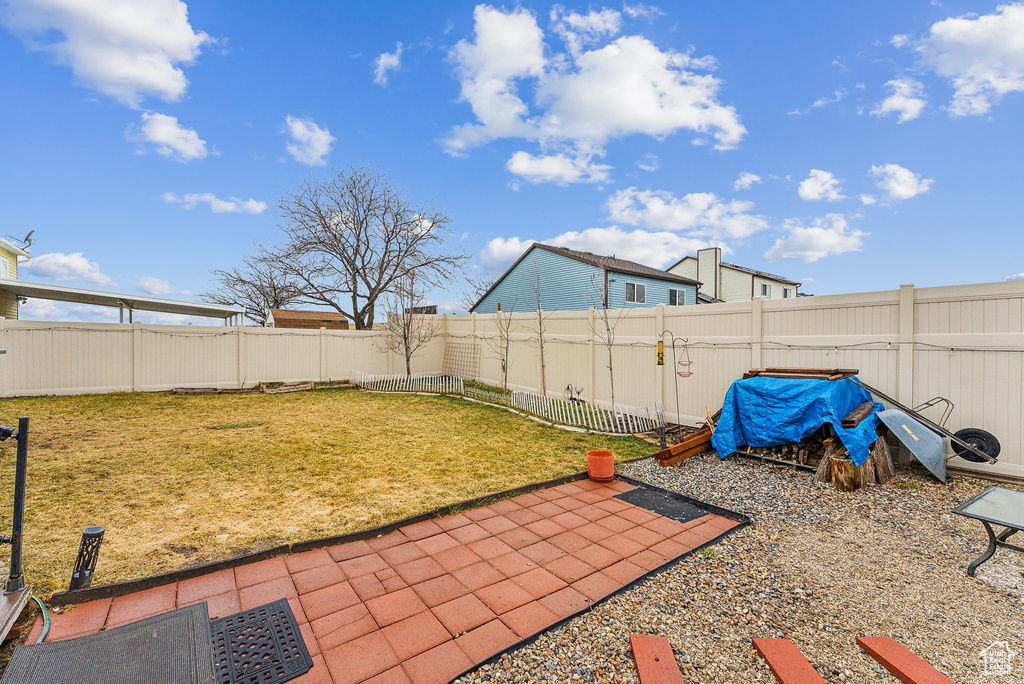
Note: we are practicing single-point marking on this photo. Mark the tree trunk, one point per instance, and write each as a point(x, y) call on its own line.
point(540, 336)
point(408, 364)
point(846, 477)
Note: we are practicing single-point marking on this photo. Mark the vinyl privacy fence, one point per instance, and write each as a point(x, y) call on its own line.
point(965, 343)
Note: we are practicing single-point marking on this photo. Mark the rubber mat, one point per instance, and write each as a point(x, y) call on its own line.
point(662, 504)
point(259, 646)
point(170, 648)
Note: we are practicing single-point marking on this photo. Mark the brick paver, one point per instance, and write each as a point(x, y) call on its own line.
point(426, 602)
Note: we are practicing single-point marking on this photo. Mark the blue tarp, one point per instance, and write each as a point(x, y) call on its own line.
point(762, 412)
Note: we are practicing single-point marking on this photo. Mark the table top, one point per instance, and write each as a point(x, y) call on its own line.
point(996, 505)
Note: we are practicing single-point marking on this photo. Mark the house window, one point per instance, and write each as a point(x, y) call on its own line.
point(676, 297)
point(636, 293)
point(787, 293)
point(766, 290)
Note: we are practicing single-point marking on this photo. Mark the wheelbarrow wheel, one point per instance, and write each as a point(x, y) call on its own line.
point(983, 441)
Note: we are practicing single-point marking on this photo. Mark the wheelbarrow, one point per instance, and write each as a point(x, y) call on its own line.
point(926, 439)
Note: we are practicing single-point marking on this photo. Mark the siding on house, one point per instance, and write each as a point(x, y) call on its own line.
point(9, 302)
point(657, 290)
point(567, 284)
point(736, 285)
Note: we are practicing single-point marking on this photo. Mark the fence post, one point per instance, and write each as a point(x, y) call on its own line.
point(136, 357)
point(476, 354)
point(590, 355)
point(755, 332)
point(905, 386)
point(659, 377)
point(323, 354)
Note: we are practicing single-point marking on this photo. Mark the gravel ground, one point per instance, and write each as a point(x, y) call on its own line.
point(818, 566)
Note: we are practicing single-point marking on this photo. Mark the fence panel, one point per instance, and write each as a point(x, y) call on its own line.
point(965, 343)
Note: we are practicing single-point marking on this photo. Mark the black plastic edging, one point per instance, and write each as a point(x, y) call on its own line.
point(115, 589)
point(667, 565)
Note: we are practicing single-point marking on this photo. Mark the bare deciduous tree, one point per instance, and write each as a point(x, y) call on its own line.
point(605, 323)
point(407, 331)
point(477, 286)
point(501, 343)
point(257, 286)
point(541, 318)
point(352, 237)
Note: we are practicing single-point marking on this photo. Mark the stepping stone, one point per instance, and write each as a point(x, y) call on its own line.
point(655, 662)
point(787, 663)
point(901, 662)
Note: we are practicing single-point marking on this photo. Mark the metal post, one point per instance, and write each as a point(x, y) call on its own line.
point(16, 582)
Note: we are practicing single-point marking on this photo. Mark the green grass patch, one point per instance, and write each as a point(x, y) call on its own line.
point(180, 480)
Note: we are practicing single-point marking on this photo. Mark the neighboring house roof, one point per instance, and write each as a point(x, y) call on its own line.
point(282, 317)
point(11, 247)
point(753, 271)
point(605, 263)
point(708, 299)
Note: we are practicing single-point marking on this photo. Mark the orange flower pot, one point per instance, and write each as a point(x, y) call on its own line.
point(601, 466)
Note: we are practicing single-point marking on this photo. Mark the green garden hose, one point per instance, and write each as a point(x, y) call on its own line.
point(46, 618)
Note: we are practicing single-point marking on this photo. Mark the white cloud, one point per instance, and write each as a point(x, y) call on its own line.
point(651, 248)
point(642, 11)
point(584, 98)
point(899, 40)
point(701, 214)
point(1015, 276)
point(40, 310)
point(868, 200)
point(578, 30)
point(837, 95)
point(74, 266)
point(982, 56)
point(499, 253)
point(900, 183)
point(649, 162)
point(827, 236)
point(122, 48)
point(387, 62)
point(169, 138)
point(907, 100)
point(232, 205)
point(156, 286)
point(310, 144)
point(507, 46)
point(745, 180)
point(820, 185)
point(557, 168)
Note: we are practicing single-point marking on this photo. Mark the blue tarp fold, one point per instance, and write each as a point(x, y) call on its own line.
point(763, 412)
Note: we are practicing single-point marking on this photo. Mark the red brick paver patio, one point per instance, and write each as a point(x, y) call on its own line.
point(426, 602)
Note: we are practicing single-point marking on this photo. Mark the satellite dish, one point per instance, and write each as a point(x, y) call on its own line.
point(26, 241)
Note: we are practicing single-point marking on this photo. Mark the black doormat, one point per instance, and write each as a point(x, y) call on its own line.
point(662, 504)
point(170, 648)
point(259, 646)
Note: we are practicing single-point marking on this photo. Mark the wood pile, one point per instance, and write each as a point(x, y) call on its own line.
point(285, 387)
point(696, 443)
point(836, 466)
point(802, 373)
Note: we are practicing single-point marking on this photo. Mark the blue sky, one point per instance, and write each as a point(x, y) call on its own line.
point(148, 143)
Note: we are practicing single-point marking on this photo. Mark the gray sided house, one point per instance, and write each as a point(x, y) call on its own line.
point(572, 281)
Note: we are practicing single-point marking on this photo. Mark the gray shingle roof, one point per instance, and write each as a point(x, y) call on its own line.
point(610, 263)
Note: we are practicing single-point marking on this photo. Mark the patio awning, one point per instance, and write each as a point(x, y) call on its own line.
point(132, 302)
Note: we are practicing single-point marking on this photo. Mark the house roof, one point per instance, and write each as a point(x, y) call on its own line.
point(605, 263)
point(752, 271)
point(11, 247)
point(293, 315)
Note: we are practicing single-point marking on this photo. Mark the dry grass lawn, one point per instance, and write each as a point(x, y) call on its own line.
point(182, 480)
